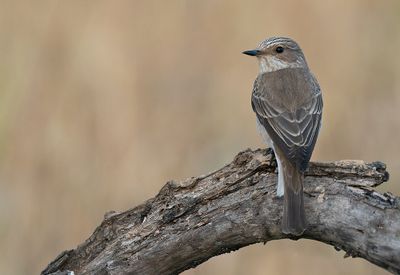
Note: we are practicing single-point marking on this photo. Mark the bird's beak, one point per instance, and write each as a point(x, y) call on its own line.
point(252, 52)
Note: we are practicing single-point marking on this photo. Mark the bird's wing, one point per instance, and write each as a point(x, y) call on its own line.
point(293, 131)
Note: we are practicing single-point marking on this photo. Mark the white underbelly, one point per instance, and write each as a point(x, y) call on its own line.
point(268, 141)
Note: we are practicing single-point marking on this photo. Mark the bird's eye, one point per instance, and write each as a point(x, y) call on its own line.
point(279, 49)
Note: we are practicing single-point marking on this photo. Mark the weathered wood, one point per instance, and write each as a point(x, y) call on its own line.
point(191, 221)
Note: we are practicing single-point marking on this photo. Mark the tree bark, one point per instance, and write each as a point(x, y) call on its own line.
point(190, 221)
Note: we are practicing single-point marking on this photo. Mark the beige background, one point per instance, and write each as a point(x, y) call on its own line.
point(102, 102)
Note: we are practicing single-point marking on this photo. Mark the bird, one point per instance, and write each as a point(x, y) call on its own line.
point(287, 101)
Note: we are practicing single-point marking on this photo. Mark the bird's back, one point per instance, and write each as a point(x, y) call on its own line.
point(288, 103)
point(287, 89)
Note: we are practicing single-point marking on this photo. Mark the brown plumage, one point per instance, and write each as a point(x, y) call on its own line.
point(288, 104)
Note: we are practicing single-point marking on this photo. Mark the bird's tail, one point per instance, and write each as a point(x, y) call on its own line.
point(294, 218)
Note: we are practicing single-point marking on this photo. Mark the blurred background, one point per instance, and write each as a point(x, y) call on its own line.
point(102, 102)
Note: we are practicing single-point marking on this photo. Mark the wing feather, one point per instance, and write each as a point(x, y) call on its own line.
point(294, 130)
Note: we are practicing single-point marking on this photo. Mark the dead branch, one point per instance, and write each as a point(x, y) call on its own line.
point(190, 221)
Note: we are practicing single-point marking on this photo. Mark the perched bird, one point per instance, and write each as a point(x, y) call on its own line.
point(287, 101)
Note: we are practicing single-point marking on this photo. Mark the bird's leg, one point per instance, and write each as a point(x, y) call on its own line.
point(271, 152)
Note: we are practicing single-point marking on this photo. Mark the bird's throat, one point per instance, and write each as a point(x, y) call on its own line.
point(271, 64)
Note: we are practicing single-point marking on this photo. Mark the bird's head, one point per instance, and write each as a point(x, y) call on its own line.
point(277, 53)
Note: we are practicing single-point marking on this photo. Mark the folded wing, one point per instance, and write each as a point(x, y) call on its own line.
point(293, 130)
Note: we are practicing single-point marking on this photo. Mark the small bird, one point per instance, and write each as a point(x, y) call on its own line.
point(287, 101)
